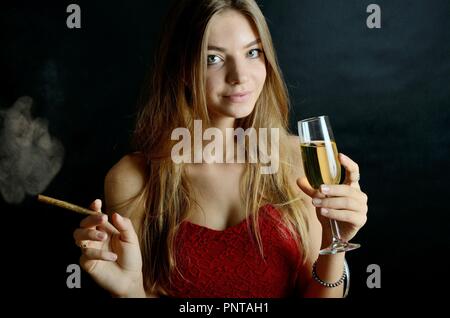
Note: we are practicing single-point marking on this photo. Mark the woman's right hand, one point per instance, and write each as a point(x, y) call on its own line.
point(113, 260)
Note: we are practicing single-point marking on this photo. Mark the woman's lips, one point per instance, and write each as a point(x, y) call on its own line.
point(239, 97)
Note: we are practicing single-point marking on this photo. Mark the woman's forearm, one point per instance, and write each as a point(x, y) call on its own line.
point(329, 269)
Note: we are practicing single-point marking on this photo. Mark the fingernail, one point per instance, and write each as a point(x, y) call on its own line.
point(316, 201)
point(101, 235)
point(119, 217)
point(324, 188)
point(111, 256)
point(324, 211)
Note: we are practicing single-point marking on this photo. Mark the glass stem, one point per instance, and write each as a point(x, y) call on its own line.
point(335, 230)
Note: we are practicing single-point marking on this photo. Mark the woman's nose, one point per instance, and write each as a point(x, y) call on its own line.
point(237, 73)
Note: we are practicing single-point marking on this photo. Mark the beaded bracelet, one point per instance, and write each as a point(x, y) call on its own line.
point(330, 285)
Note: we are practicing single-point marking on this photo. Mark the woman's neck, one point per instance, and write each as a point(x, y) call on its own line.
point(222, 124)
point(228, 140)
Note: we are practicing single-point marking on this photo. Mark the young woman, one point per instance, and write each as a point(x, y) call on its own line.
point(205, 228)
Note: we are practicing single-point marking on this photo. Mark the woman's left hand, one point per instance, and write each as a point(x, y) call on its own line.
point(345, 202)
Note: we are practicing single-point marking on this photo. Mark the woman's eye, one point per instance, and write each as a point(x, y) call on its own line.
point(213, 59)
point(254, 53)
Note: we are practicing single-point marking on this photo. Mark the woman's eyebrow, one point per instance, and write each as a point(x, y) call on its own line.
point(221, 49)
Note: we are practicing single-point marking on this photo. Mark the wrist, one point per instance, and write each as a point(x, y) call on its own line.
point(330, 267)
point(137, 293)
point(135, 290)
point(328, 274)
point(324, 283)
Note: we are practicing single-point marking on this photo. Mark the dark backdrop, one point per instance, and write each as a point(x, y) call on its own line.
point(386, 91)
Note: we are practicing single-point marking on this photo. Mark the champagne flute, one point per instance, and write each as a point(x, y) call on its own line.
point(321, 166)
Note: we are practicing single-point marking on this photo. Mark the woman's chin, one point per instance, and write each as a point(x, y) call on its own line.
point(238, 111)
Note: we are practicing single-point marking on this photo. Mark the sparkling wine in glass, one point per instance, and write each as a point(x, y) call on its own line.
point(321, 166)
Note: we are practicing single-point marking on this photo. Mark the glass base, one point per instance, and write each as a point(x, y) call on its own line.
point(339, 247)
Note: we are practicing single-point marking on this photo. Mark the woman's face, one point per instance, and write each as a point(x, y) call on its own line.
point(236, 68)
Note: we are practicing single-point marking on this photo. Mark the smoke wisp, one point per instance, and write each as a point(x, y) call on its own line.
point(29, 157)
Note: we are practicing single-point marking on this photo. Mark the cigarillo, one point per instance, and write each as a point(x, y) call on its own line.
point(75, 208)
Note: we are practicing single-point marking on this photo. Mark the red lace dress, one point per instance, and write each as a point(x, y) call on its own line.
point(228, 264)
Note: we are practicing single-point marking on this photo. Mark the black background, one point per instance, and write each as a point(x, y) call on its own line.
point(386, 91)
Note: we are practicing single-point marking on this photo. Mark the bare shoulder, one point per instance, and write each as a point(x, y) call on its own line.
point(123, 184)
point(130, 168)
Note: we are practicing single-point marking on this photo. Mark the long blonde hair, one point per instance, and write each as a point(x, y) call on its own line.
point(175, 97)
